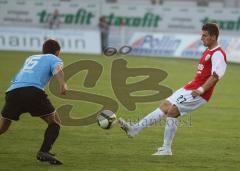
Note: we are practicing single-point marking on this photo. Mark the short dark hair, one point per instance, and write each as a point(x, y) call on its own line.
point(50, 46)
point(212, 29)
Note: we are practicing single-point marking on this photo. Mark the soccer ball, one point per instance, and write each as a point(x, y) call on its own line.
point(106, 119)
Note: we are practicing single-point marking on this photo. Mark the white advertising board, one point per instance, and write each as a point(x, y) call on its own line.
point(72, 41)
point(180, 45)
point(36, 13)
point(172, 19)
point(76, 14)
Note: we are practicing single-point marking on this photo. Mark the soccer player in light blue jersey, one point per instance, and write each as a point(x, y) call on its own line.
point(26, 94)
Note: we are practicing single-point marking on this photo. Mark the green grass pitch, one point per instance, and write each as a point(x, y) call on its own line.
point(212, 142)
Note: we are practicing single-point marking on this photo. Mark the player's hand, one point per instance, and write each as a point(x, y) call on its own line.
point(196, 93)
point(63, 89)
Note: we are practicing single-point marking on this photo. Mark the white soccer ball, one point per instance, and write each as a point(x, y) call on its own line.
point(106, 119)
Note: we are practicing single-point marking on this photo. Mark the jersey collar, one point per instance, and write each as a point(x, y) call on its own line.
point(214, 48)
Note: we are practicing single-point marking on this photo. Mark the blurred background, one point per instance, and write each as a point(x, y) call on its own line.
point(161, 28)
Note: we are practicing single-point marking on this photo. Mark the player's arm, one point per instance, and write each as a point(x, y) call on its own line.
point(211, 81)
point(218, 69)
point(58, 72)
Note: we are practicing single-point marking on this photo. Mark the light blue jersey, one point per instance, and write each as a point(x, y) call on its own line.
point(36, 71)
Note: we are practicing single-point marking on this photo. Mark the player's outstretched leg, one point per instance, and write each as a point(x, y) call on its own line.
point(50, 137)
point(133, 130)
point(127, 127)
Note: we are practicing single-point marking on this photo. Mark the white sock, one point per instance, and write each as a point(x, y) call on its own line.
point(170, 130)
point(150, 119)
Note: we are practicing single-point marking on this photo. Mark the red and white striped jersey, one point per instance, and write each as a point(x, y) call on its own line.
point(214, 60)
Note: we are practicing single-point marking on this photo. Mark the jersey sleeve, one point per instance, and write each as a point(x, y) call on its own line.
point(55, 62)
point(218, 64)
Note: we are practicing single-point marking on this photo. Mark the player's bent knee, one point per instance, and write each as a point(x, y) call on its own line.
point(173, 112)
point(165, 106)
point(172, 115)
point(55, 125)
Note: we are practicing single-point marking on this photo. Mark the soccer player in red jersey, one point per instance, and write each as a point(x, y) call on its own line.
point(211, 68)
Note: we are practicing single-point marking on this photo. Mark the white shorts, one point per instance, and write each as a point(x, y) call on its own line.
point(185, 102)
